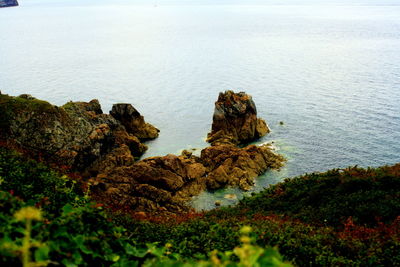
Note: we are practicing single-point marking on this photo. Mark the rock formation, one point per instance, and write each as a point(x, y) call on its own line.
point(152, 184)
point(233, 166)
point(235, 120)
point(76, 135)
point(134, 123)
point(102, 148)
point(167, 183)
point(8, 3)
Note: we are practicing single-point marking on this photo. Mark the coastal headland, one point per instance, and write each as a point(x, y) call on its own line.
point(104, 150)
point(75, 192)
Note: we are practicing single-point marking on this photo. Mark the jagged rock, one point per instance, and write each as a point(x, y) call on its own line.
point(103, 147)
point(133, 121)
point(76, 135)
point(235, 120)
point(135, 146)
point(153, 183)
point(233, 166)
point(8, 3)
point(92, 106)
point(169, 181)
point(119, 156)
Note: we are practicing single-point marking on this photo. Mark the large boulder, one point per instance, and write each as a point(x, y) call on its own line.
point(235, 120)
point(77, 135)
point(134, 122)
point(153, 184)
point(233, 166)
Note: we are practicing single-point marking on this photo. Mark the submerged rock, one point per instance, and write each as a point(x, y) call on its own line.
point(235, 120)
point(8, 3)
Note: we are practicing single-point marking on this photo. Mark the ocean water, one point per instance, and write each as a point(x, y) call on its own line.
point(328, 69)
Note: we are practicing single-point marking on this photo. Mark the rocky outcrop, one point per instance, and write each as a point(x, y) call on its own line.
point(235, 120)
point(167, 183)
point(8, 3)
point(153, 184)
point(233, 166)
point(103, 148)
point(77, 135)
point(134, 123)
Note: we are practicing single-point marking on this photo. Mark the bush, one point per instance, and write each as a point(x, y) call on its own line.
point(35, 183)
point(368, 195)
point(338, 218)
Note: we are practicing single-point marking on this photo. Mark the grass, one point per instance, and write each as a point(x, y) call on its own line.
point(9, 106)
point(337, 218)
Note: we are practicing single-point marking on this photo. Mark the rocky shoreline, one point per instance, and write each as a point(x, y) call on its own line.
point(104, 150)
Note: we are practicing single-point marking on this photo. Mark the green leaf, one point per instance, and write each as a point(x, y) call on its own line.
point(112, 257)
point(67, 209)
point(80, 241)
point(68, 263)
point(42, 253)
point(125, 263)
point(133, 251)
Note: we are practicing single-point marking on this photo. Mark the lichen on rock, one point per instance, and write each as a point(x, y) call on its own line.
point(76, 135)
point(235, 120)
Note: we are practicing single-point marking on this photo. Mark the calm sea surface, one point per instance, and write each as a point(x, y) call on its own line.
point(330, 72)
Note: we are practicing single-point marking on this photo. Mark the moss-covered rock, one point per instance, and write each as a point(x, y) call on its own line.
point(76, 135)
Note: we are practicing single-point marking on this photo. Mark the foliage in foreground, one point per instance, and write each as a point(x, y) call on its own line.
point(339, 218)
point(65, 228)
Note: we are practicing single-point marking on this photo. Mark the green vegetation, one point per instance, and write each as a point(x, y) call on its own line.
point(46, 219)
point(25, 103)
point(338, 218)
point(9, 106)
point(369, 196)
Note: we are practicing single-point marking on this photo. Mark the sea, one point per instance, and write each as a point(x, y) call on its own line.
point(328, 70)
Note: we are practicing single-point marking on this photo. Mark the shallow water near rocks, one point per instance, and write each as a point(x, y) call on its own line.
point(329, 71)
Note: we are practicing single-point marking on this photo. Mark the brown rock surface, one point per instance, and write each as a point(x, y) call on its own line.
point(233, 166)
point(235, 120)
point(156, 183)
point(76, 135)
point(103, 147)
point(133, 121)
